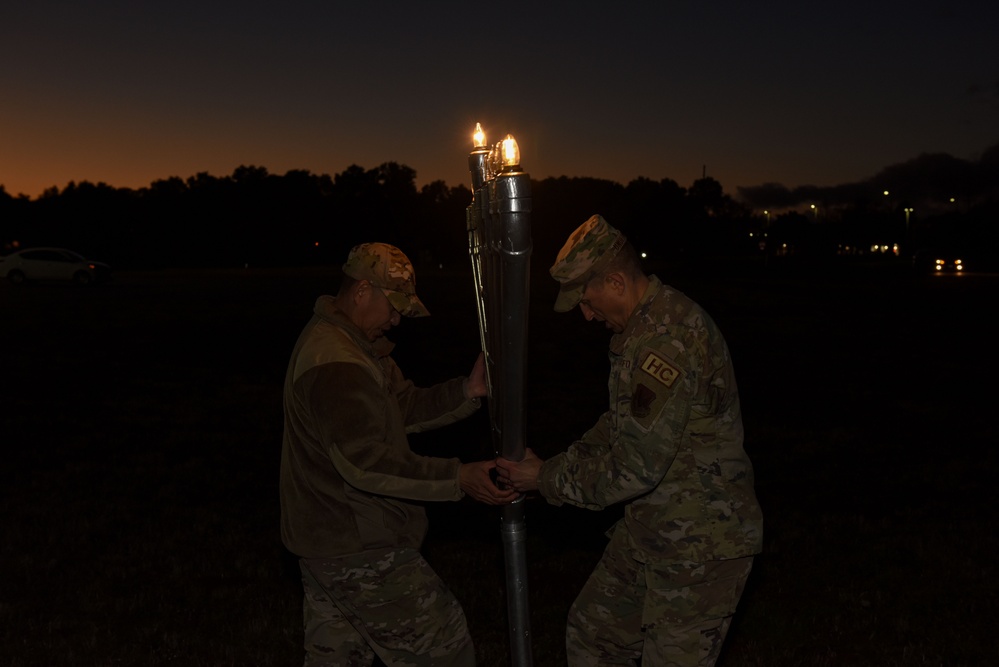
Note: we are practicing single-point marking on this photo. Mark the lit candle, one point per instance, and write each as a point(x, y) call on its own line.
point(478, 164)
point(511, 153)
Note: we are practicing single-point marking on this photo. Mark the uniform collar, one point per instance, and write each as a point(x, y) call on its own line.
point(635, 321)
point(326, 310)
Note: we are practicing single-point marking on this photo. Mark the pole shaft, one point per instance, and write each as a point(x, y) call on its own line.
point(499, 233)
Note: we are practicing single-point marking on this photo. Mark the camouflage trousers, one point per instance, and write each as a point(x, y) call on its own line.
point(659, 612)
point(387, 602)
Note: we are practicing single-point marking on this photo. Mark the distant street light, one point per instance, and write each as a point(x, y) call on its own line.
point(815, 212)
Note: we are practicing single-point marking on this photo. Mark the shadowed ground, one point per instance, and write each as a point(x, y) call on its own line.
point(140, 425)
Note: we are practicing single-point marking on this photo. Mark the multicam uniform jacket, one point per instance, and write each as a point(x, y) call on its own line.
point(348, 475)
point(672, 442)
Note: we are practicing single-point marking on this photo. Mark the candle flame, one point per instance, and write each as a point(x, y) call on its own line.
point(511, 152)
point(478, 137)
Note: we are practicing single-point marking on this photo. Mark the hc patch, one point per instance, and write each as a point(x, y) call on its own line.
point(660, 369)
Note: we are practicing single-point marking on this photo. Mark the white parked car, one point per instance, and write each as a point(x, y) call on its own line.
point(52, 264)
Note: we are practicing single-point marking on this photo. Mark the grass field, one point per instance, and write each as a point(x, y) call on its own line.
point(140, 424)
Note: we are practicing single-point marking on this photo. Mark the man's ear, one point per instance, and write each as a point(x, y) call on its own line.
point(615, 281)
point(361, 289)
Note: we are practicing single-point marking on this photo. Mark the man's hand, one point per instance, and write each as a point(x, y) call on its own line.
point(475, 482)
point(520, 475)
point(475, 383)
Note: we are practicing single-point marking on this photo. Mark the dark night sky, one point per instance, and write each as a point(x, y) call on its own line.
point(127, 92)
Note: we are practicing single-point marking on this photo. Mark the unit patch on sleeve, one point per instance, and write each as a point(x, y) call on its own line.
point(660, 368)
point(648, 398)
point(641, 402)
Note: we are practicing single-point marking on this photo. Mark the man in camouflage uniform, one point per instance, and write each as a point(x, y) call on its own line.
point(351, 488)
point(671, 447)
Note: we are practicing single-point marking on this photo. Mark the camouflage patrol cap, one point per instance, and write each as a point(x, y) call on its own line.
point(589, 248)
point(387, 268)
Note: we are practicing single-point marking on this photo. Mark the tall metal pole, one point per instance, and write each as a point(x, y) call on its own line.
point(499, 233)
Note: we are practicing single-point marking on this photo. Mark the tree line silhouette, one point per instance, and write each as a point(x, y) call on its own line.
point(256, 218)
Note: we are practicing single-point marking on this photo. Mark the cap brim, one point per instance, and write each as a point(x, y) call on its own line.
point(408, 305)
point(568, 298)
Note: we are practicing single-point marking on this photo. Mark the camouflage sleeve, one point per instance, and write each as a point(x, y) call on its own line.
point(595, 442)
point(650, 426)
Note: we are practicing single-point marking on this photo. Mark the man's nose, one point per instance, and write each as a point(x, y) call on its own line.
point(396, 318)
point(587, 311)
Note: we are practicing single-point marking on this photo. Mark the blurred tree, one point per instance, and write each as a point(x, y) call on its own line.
point(436, 232)
point(706, 197)
point(559, 205)
point(258, 218)
point(654, 216)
